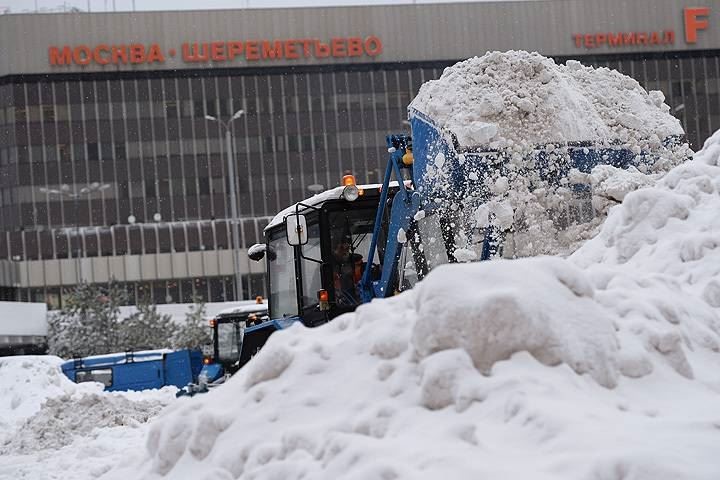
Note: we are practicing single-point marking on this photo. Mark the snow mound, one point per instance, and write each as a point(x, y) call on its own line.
point(493, 310)
point(64, 418)
point(28, 381)
point(519, 98)
point(603, 365)
point(533, 113)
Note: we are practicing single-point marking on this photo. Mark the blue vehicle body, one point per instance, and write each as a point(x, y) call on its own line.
point(137, 370)
point(424, 192)
point(407, 187)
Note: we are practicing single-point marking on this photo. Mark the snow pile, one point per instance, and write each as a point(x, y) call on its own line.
point(533, 112)
point(605, 365)
point(550, 313)
point(64, 418)
point(51, 427)
point(26, 382)
point(516, 98)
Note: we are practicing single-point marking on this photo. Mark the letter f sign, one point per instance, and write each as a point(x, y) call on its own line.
point(694, 22)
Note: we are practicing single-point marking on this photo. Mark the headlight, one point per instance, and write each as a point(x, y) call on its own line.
point(350, 193)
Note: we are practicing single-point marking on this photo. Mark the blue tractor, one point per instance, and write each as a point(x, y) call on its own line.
point(348, 245)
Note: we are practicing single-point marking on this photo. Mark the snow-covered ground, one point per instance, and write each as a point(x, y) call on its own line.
point(52, 428)
point(604, 365)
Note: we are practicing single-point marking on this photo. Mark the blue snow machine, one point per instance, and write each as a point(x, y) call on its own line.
point(348, 245)
point(137, 370)
point(229, 351)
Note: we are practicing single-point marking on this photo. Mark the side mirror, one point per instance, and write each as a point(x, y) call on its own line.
point(257, 252)
point(296, 229)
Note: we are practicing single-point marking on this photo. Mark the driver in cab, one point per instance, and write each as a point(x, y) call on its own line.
point(347, 272)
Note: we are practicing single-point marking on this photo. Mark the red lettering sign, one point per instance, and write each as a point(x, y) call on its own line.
point(58, 57)
point(221, 52)
point(622, 39)
point(693, 23)
point(217, 51)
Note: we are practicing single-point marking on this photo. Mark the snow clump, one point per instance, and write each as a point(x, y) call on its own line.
point(515, 125)
point(517, 98)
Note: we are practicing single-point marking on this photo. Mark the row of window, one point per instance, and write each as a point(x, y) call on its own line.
point(189, 290)
point(134, 239)
point(170, 150)
point(173, 109)
point(269, 90)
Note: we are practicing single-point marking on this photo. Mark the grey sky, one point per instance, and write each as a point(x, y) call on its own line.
point(20, 6)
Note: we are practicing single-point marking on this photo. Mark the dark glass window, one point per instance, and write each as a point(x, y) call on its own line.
point(207, 236)
point(150, 240)
point(217, 293)
point(91, 244)
point(164, 238)
point(193, 237)
point(61, 244)
point(135, 240)
point(106, 242)
point(92, 151)
point(199, 107)
point(121, 244)
point(204, 185)
point(171, 109)
point(46, 247)
point(201, 289)
point(178, 235)
point(31, 246)
point(173, 291)
point(48, 112)
point(221, 235)
point(160, 292)
point(187, 291)
point(120, 151)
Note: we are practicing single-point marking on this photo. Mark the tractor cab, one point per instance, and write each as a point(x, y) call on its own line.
point(316, 253)
point(228, 334)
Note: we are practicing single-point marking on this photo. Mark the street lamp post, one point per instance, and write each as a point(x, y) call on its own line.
point(233, 197)
point(67, 192)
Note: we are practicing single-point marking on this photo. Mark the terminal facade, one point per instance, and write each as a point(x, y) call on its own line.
point(110, 168)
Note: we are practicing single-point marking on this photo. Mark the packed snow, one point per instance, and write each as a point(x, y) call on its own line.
point(603, 365)
point(52, 428)
point(518, 98)
point(536, 116)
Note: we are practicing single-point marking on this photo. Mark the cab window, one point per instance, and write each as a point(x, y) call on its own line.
point(349, 245)
point(103, 376)
point(281, 271)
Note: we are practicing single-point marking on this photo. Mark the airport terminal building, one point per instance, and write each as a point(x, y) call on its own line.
point(109, 167)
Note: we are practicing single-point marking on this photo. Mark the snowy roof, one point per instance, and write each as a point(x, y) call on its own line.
point(123, 357)
point(322, 197)
point(251, 306)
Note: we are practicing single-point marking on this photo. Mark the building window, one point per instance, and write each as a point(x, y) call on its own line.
point(93, 152)
point(199, 108)
point(269, 144)
point(280, 143)
point(20, 114)
point(150, 188)
point(171, 109)
point(120, 151)
point(48, 112)
point(293, 143)
point(211, 108)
